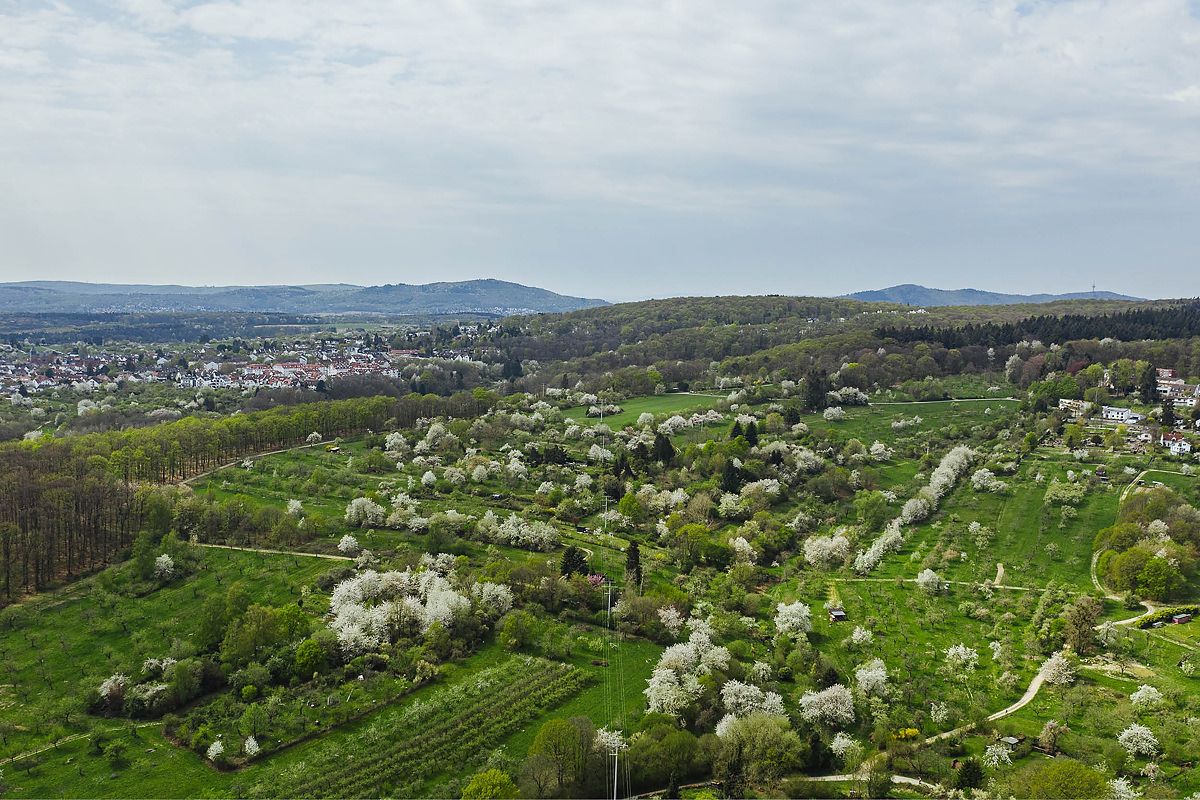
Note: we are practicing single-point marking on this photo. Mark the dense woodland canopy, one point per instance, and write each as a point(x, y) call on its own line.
point(69, 505)
point(1172, 322)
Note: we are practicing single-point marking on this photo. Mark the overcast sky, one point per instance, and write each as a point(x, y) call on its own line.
point(610, 149)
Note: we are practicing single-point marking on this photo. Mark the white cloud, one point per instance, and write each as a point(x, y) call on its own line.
point(509, 138)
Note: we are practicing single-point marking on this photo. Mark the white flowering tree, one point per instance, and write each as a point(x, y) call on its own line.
point(997, 755)
point(348, 545)
point(872, 678)
point(859, 637)
point(846, 749)
point(929, 581)
point(1058, 670)
point(833, 706)
point(960, 658)
point(793, 619)
point(1146, 697)
point(1122, 789)
point(826, 552)
point(671, 619)
point(1138, 741)
point(164, 567)
point(295, 508)
point(743, 551)
point(363, 511)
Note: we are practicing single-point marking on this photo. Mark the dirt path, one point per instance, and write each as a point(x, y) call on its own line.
point(68, 739)
point(999, 579)
point(203, 475)
point(275, 552)
point(953, 400)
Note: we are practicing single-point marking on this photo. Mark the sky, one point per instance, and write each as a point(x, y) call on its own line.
point(606, 149)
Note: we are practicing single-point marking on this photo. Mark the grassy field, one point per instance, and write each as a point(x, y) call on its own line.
point(868, 423)
point(1028, 537)
point(634, 407)
point(76, 641)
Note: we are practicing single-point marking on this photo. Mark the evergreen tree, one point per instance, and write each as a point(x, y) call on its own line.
point(736, 430)
point(633, 565)
point(752, 434)
point(816, 386)
point(969, 776)
point(1168, 413)
point(1148, 385)
point(664, 451)
point(573, 562)
point(731, 477)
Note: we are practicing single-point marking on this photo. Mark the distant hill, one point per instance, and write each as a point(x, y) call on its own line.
point(911, 294)
point(478, 296)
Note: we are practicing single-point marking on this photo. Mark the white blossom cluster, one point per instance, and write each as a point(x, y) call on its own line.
point(437, 438)
point(671, 619)
point(996, 755)
point(880, 451)
point(952, 467)
point(845, 747)
point(793, 619)
point(832, 706)
point(826, 552)
point(872, 678)
point(1058, 671)
point(661, 502)
point(984, 480)
point(901, 424)
point(929, 581)
point(848, 396)
point(675, 682)
point(363, 511)
point(368, 608)
point(1138, 740)
point(960, 659)
point(517, 532)
point(164, 567)
point(742, 699)
point(1146, 697)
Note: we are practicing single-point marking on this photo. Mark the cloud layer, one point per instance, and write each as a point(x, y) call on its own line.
point(614, 149)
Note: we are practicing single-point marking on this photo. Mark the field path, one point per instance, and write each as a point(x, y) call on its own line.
point(72, 738)
point(249, 458)
point(275, 552)
point(999, 579)
point(1035, 686)
point(952, 400)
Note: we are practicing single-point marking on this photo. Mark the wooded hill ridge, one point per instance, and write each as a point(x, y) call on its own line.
point(912, 294)
point(476, 296)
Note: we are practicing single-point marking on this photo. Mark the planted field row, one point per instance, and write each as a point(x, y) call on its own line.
point(443, 732)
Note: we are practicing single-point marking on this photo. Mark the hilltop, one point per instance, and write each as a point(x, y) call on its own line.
point(476, 296)
point(911, 294)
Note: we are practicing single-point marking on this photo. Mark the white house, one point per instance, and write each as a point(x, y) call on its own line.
point(1122, 415)
point(1176, 443)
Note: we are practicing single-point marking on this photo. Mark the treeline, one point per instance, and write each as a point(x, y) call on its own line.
point(1167, 322)
point(70, 505)
point(147, 328)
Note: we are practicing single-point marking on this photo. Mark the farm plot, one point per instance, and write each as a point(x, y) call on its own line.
point(413, 743)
